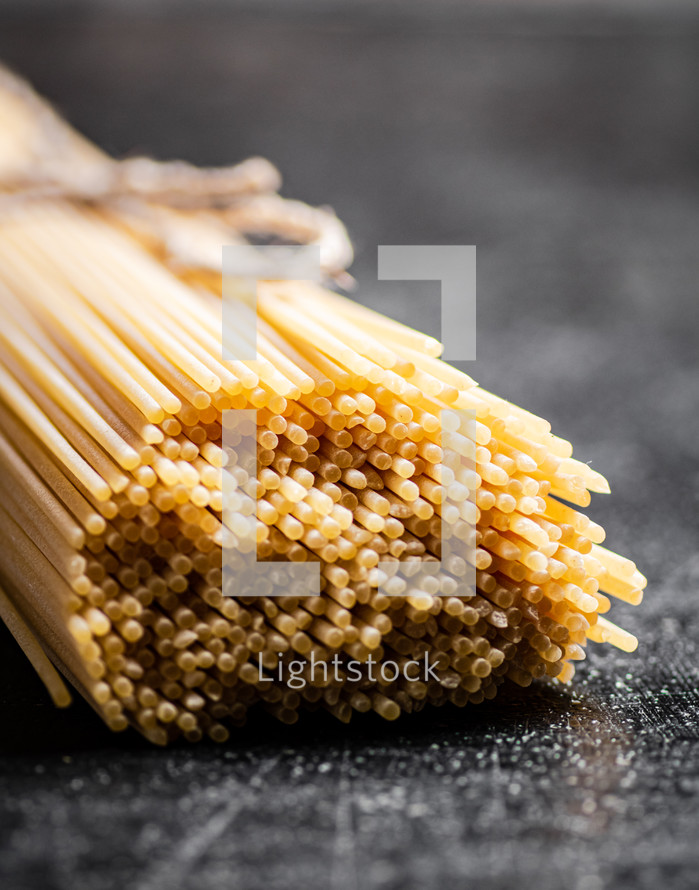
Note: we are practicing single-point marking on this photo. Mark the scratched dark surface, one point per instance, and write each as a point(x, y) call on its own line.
point(564, 145)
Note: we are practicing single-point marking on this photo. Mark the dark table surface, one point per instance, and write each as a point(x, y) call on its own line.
point(564, 144)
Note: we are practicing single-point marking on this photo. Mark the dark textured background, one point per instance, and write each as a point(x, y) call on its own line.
point(563, 143)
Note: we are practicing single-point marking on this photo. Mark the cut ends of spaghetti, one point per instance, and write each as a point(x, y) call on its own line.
point(114, 394)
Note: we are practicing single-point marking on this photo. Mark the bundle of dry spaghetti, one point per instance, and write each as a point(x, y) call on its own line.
point(113, 389)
